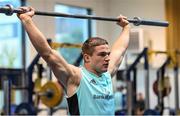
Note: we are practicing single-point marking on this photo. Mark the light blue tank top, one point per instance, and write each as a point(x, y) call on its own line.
point(95, 94)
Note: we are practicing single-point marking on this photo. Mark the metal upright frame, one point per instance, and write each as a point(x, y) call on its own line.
point(131, 84)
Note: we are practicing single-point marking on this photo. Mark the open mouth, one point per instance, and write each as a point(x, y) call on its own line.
point(106, 65)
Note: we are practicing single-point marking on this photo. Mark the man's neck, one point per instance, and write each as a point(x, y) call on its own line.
point(91, 70)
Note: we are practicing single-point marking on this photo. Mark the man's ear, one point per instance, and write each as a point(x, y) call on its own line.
point(86, 58)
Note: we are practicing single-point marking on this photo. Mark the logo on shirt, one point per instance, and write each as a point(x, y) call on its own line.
point(107, 97)
point(93, 82)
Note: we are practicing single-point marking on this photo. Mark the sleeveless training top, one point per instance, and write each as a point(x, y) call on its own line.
point(94, 96)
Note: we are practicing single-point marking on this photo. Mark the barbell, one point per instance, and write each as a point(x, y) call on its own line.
point(9, 10)
point(51, 95)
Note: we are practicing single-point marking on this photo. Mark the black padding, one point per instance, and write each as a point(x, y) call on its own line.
point(73, 105)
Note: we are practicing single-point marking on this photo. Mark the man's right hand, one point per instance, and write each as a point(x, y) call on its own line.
point(28, 13)
point(123, 22)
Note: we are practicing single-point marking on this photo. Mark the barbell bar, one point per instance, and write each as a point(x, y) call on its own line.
point(9, 10)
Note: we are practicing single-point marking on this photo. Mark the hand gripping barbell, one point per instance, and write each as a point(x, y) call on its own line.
point(9, 10)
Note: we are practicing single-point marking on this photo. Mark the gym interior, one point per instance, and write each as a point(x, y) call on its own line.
point(146, 83)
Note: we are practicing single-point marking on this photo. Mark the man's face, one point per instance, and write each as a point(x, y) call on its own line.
point(100, 58)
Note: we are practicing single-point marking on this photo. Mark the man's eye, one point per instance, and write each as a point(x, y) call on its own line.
point(104, 54)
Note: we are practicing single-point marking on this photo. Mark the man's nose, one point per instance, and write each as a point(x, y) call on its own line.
point(107, 57)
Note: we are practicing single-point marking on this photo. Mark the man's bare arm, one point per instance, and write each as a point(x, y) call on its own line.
point(119, 47)
point(62, 70)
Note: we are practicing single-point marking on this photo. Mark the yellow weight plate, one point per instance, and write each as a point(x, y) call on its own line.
point(55, 95)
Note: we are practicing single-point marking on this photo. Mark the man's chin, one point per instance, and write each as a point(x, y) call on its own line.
point(104, 70)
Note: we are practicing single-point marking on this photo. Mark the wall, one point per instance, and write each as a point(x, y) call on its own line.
point(146, 9)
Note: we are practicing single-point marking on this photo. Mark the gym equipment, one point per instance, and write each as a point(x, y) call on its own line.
point(56, 45)
point(15, 75)
point(30, 76)
point(7, 96)
point(9, 10)
point(131, 84)
point(37, 82)
point(25, 109)
point(51, 94)
point(9, 78)
point(166, 88)
point(162, 90)
point(162, 86)
point(176, 82)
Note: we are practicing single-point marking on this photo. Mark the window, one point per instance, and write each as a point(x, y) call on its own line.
point(71, 30)
point(10, 37)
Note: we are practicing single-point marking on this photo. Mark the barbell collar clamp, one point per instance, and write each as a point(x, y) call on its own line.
point(137, 21)
point(8, 10)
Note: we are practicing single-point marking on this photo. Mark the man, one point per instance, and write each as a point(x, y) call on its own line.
point(88, 88)
point(140, 104)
